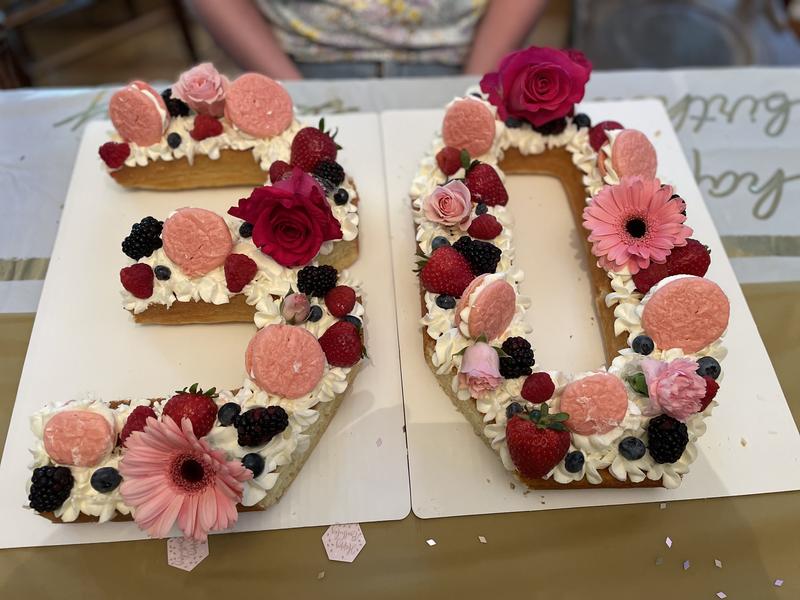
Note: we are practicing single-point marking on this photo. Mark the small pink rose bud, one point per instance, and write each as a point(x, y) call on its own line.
point(295, 308)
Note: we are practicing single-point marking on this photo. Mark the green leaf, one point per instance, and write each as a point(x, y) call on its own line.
point(464, 157)
point(501, 353)
point(558, 427)
point(193, 389)
point(638, 382)
point(557, 417)
point(322, 124)
point(482, 338)
point(211, 393)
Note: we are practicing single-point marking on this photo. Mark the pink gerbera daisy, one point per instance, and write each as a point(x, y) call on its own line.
point(169, 475)
point(634, 223)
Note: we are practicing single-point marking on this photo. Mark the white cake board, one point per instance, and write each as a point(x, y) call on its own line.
point(83, 341)
point(752, 445)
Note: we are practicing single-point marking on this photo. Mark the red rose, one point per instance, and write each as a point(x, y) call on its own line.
point(290, 219)
point(538, 85)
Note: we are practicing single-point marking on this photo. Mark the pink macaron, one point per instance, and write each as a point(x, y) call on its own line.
point(633, 154)
point(469, 125)
point(139, 114)
point(687, 313)
point(285, 360)
point(491, 312)
point(80, 438)
point(595, 404)
point(197, 240)
point(258, 105)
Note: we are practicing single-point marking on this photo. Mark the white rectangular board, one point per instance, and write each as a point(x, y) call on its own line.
point(752, 445)
point(83, 341)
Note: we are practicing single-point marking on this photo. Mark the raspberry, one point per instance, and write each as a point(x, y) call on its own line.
point(647, 278)
point(538, 388)
point(138, 280)
point(341, 344)
point(485, 227)
point(340, 300)
point(114, 154)
point(597, 134)
point(136, 422)
point(239, 271)
point(205, 126)
point(712, 387)
point(277, 170)
point(449, 160)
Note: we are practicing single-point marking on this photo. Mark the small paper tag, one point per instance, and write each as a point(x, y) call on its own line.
point(186, 553)
point(343, 542)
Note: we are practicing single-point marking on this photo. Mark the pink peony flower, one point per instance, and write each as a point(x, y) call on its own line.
point(633, 224)
point(538, 85)
point(295, 308)
point(291, 219)
point(171, 476)
point(449, 204)
point(480, 369)
point(203, 89)
point(675, 388)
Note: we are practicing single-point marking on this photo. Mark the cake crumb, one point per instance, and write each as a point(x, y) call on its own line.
point(657, 133)
point(379, 442)
point(663, 505)
point(321, 575)
point(659, 561)
point(743, 442)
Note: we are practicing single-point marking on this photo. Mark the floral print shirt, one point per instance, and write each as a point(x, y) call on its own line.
point(411, 31)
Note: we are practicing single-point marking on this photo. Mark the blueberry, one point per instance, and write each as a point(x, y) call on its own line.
point(444, 301)
point(639, 383)
point(106, 479)
point(174, 140)
point(513, 409)
point(246, 229)
point(708, 367)
point(573, 462)
point(354, 320)
point(514, 123)
point(535, 414)
point(162, 273)
point(227, 413)
point(481, 209)
point(582, 120)
point(341, 196)
point(643, 344)
point(439, 241)
point(632, 448)
point(254, 462)
point(314, 314)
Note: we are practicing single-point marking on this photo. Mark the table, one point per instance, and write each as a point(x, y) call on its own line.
point(738, 127)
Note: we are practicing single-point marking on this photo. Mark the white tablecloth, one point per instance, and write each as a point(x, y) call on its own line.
point(739, 129)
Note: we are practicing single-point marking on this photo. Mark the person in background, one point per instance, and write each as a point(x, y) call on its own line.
point(292, 39)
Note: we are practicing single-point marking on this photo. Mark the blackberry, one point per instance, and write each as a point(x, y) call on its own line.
point(50, 487)
point(330, 170)
point(341, 196)
point(246, 230)
point(439, 241)
point(317, 281)
point(144, 238)
point(481, 208)
point(162, 273)
point(105, 479)
point(582, 121)
point(174, 140)
point(175, 106)
point(666, 439)
point(259, 425)
point(482, 256)
point(632, 448)
point(228, 413)
point(314, 314)
point(519, 360)
point(553, 127)
point(354, 320)
point(254, 462)
point(573, 462)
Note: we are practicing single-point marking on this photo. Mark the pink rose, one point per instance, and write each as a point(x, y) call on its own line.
point(295, 308)
point(203, 89)
point(675, 388)
point(449, 204)
point(538, 85)
point(290, 219)
point(480, 370)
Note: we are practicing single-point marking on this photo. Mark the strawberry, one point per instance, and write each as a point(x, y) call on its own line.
point(538, 388)
point(597, 134)
point(445, 272)
point(340, 300)
point(193, 404)
point(277, 170)
point(114, 154)
point(205, 126)
point(138, 280)
point(712, 387)
point(311, 145)
point(136, 422)
point(239, 271)
point(537, 441)
point(341, 344)
point(485, 186)
point(449, 160)
point(485, 227)
point(691, 259)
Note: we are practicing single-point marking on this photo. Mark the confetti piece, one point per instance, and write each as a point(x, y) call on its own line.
point(778, 582)
point(663, 505)
point(481, 539)
point(321, 575)
point(431, 542)
point(186, 553)
point(718, 563)
point(659, 561)
point(379, 442)
point(743, 442)
point(686, 565)
point(343, 542)
point(721, 595)
point(668, 542)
